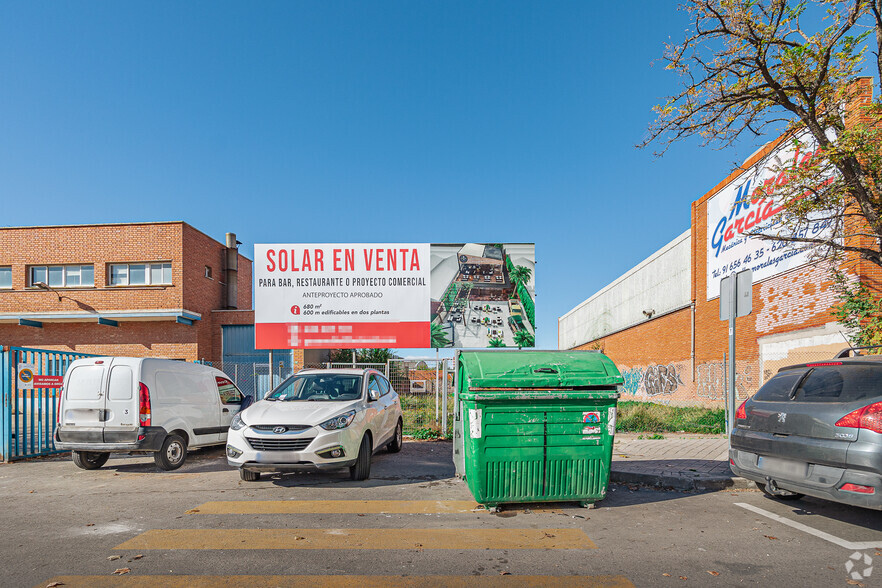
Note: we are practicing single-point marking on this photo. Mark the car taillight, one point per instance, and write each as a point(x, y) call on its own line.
point(58, 410)
point(741, 413)
point(868, 417)
point(858, 488)
point(143, 405)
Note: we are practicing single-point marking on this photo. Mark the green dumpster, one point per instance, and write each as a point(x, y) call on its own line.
point(535, 426)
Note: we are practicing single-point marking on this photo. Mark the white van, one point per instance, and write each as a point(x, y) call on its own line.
point(142, 405)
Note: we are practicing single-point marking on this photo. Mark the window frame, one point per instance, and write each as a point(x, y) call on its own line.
point(7, 267)
point(149, 266)
point(65, 273)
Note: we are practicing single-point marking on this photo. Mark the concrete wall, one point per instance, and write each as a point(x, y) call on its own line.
point(660, 283)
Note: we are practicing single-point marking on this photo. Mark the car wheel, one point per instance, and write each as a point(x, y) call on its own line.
point(362, 468)
point(172, 454)
point(397, 441)
point(89, 460)
point(779, 494)
point(248, 475)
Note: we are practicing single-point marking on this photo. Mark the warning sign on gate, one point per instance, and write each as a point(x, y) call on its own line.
point(25, 378)
point(28, 378)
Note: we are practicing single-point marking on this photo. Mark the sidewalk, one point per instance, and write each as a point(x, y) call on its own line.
point(680, 460)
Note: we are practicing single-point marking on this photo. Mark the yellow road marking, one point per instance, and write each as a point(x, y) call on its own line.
point(342, 581)
point(338, 507)
point(360, 539)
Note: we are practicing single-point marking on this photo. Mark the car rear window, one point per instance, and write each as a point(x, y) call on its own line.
point(84, 382)
point(841, 383)
point(780, 386)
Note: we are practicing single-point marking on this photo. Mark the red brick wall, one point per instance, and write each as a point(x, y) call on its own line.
point(186, 248)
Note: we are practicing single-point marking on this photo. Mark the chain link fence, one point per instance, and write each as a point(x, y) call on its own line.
point(424, 386)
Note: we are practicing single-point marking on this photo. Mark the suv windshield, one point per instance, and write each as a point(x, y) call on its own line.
point(317, 387)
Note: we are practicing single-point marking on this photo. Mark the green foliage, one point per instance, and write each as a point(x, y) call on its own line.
point(362, 355)
point(520, 274)
point(425, 434)
point(653, 437)
point(858, 309)
point(640, 417)
point(439, 336)
point(524, 339)
point(755, 67)
point(496, 343)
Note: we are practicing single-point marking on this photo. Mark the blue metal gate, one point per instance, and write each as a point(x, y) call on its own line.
point(28, 416)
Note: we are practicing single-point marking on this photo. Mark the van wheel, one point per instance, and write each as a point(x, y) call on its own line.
point(362, 468)
point(397, 441)
point(89, 460)
point(172, 454)
point(779, 494)
point(249, 476)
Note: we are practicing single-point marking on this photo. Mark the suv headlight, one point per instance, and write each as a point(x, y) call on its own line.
point(339, 422)
point(237, 422)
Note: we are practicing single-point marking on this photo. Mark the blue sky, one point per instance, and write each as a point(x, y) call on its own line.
point(355, 122)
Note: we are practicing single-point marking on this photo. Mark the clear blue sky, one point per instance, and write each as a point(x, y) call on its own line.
point(355, 122)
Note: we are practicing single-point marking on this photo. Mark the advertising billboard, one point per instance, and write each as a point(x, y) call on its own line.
point(394, 295)
point(749, 204)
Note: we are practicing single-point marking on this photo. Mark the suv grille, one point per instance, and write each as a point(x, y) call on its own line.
point(278, 444)
point(287, 427)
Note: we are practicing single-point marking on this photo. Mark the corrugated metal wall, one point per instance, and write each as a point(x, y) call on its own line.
point(660, 283)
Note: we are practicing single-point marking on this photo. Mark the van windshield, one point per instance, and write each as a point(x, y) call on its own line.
point(318, 387)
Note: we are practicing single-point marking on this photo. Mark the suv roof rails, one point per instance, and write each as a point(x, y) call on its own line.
point(845, 352)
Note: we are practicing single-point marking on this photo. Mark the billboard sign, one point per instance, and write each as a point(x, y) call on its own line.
point(749, 204)
point(330, 296)
point(393, 295)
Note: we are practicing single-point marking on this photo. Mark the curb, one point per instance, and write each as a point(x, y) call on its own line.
point(702, 483)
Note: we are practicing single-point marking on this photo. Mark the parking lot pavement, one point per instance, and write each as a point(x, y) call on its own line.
point(411, 524)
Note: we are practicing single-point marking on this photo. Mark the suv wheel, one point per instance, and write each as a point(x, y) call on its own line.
point(172, 454)
point(248, 475)
point(362, 468)
point(89, 460)
point(395, 444)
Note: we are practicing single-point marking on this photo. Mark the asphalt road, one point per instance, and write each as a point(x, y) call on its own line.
point(201, 525)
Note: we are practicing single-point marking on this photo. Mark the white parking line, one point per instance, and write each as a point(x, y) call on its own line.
point(850, 545)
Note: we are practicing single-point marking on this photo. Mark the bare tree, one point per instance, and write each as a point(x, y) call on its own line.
point(760, 67)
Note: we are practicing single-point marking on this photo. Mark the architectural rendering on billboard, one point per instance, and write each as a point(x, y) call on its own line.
point(749, 204)
point(333, 296)
point(482, 295)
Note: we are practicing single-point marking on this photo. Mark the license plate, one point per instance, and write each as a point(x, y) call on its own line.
point(784, 467)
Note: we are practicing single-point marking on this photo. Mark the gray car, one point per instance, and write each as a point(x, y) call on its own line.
point(815, 429)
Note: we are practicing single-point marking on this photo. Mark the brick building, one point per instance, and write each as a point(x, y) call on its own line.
point(660, 322)
point(144, 289)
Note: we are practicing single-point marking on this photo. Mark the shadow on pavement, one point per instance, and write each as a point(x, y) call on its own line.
point(809, 507)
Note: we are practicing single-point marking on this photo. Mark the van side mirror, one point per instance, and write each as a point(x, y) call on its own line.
point(373, 395)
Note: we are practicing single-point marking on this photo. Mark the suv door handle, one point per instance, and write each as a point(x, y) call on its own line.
point(226, 410)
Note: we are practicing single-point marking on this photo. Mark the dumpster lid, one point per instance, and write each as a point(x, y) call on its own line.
point(537, 369)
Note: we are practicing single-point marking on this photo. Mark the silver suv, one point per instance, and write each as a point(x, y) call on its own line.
point(815, 429)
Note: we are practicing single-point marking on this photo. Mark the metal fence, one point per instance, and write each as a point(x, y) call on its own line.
point(29, 416)
point(425, 387)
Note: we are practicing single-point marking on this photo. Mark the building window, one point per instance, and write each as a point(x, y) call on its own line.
point(6, 277)
point(63, 276)
point(140, 274)
point(208, 271)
